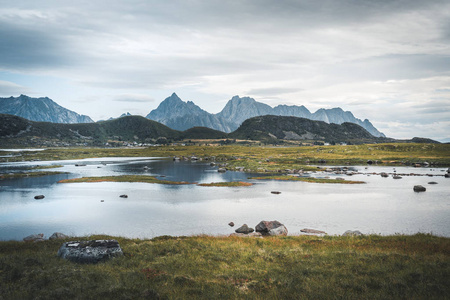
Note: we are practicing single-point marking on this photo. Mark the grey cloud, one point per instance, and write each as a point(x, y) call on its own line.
point(28, 48)
point(272, 91)
point(133, 98)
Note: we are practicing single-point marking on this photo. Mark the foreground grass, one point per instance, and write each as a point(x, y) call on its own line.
point(304, 267)
point(307, 179)
point(123, 178)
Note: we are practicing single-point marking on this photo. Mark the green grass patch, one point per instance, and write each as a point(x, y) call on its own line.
point(203, 267)
point(29, 174)
point(229, 184)
point(123, 178)
point(307, 179)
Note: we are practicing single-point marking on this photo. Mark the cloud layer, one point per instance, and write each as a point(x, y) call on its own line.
point(387, 61)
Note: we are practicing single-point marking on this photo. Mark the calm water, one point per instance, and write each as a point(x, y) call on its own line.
point(383, 205)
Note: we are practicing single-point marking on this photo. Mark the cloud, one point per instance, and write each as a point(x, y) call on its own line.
point(133, 98)
point(8, 88)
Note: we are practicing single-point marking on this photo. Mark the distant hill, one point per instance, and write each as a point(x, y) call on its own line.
point(181, 115)
point(40, 110)
point(293, 128)
point(203, 133)
point(17, 131)
point(131, 128)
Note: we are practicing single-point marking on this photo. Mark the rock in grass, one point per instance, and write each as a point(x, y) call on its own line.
point(419, 188)
point(281, 230)
point(34, 238)
point(266, 226)
point(244, 229)
point(352, 233)
point(90, 251)
point(38, 197)
point(58, 236)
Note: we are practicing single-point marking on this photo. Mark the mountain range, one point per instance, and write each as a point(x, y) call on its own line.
point(40, 110)
point(181, 115)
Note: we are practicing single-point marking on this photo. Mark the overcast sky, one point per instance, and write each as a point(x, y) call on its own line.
point(387, 61)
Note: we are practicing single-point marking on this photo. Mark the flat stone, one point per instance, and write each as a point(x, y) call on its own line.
point(312, 231)
point(90, 251)
point(251, 234)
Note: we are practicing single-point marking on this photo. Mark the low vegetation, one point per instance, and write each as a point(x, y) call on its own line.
point(28, 174)
point(122, 178)
point(203, 267)
point(270, 157)
point(229, 184)
point(307, 179)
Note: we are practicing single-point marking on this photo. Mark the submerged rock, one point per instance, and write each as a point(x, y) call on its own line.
point(90, 251)
point(244, 229)
point(419, 188)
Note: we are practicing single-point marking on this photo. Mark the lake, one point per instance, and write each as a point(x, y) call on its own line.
point(381, 206)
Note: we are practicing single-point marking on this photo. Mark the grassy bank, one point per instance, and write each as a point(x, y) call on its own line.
point(29, 174)
point(307, 179)
point(261, 157)
point(122, 178)
point(304, 267)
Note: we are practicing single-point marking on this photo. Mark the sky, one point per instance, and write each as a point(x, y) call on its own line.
point(387, 61)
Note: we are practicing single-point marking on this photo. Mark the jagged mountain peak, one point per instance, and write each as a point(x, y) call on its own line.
point(41, 109)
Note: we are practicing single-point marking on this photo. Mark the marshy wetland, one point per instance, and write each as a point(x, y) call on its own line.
point(175, 235)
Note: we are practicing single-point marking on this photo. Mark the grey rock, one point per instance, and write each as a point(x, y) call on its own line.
point(38, 197)
point(231, 224)
point(384, 174)
point(419, 188)
point(90, 251)
point(281, 230)
point(58, 236)
point(397, 177)
point(352, 233)
point(432, 182)
point(221, 170)
point(34, 238)
point(275, 192)
point(244, 229)
point(265, 226)
point(123, 196)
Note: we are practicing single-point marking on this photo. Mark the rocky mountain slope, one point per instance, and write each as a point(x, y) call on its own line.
point(40, 110)
point(181, 115)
